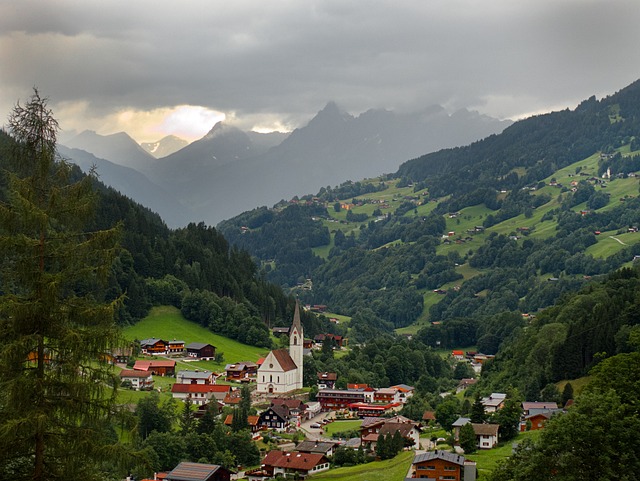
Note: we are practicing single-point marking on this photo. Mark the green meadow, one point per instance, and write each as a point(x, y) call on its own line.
point(390, 470)
point(166, 322)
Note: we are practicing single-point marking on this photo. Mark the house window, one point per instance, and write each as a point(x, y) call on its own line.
point(449, 468)
point(429, 466)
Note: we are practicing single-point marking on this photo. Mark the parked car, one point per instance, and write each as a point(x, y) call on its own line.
point(315, 426)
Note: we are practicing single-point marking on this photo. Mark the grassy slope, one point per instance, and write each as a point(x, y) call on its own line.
point(167, 323)
point(487, 459)
point(390, 470)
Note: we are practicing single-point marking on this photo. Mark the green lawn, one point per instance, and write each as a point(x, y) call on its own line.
point(341, 426)
point(488, 459)
point(166, 322)
point(390, 470)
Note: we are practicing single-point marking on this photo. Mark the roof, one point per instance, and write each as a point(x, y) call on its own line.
point(460, 422)
point(327, 376)
point(146, 365)
point(294, 460)
point(195, 374)
point(386, 390)
point(198, 388)
point(315, 447)
point(240, 366)
point(199, 345)
point(284, 359)
point(193, 472)
point(281, 410)
point(290, 403)
point(444, 455)
point(151, 341)
point(404, 387)
point(370, 421)
point(296, 318)
point(485, 429)
point(539, 405)
point(391, 428)
point(134, 373)
point(428, 416)
point(251, 420)
point(176, 342)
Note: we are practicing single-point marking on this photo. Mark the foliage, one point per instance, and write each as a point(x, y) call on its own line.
point(468, 441)
point(56, 322)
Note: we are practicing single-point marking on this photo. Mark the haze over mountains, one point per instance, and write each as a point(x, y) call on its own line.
point(229, 171)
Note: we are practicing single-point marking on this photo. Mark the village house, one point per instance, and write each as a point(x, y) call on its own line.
point(139, 380)
point(287, 464)
point(198, 472)
point(161, 367)
point(372, 428)
point(275, 417)
point(196, 377)
point(465, 383)
point(297, 408)
point(153, 346)
point(405, 391)
point(201, 351)
point(244, 371)
point(486, 435)
point(175, 347)
point(327, 380)
point(536, 407)
point(199, 393)
point(442, 465)
point(326, 448)
point(386, 395)
point(533, 422)
point(494, 402)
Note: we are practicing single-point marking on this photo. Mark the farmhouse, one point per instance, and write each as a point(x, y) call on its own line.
point(201, 350)
point(196, 377)
point(243, 371)
point(159, 367)
point(139, 380)
point(294, 463)
point(275, 417)
point(153, 346)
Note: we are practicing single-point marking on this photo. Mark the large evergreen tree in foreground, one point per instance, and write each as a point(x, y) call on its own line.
point(56, 328)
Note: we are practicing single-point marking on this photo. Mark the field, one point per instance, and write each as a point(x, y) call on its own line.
point(390, 470)
point(167, 323)
point(341, 426)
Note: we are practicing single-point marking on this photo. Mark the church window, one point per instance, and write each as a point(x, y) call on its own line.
point(295, 340)
point(270, 378)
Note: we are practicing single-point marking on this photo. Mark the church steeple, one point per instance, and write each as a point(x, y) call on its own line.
point(296, 342)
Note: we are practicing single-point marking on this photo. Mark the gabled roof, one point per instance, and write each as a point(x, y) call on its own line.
point(134, 373)
point(391, 428)
point(151, 341)
point(404, 388)
point(315, 447)
point(370, 421)
point(251, 420)
point(460, 422)
point(294, 460)
point(198, 388)
point(193, 472)
point(146, 365)
point(327, 376)
point(485, 429)
point(527, 405)
point(429, 416)
point(444, 455)
point(290, 403)
point(199, 345)
point(194, 374)
point(284, 359)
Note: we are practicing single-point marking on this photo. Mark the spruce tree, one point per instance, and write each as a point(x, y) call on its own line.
point(57, 330)
point(478, 415)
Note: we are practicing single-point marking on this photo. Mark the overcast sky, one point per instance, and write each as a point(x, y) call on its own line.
point(157, 67)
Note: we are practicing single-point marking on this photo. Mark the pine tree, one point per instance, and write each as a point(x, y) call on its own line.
point(468, 440)
point(57, 330)
point(478, 415)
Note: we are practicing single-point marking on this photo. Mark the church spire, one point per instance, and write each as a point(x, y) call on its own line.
point(296, 318)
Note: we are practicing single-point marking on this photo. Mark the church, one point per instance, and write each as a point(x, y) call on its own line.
point(281, 372)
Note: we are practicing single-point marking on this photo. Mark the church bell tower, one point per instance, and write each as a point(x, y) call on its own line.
point(296, 343)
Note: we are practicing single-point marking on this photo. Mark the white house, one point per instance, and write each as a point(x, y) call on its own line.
point(138, 379)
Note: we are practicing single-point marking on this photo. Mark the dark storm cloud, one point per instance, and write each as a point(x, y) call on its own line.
point(287, 58)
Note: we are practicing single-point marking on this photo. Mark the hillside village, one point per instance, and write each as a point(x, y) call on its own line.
point(297, 427)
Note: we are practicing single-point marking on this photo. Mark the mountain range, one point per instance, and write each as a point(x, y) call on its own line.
point(229, 171)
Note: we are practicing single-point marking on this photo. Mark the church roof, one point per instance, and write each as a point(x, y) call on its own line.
point(296, 318)
point(284, 359)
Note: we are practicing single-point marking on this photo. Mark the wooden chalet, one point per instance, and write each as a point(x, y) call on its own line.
point(201, 350)
point(154, 346)
point(253, 422)
point(275, 417)
point(175, 347)
point(327, 380)
point(244, 371)
point(292, 464)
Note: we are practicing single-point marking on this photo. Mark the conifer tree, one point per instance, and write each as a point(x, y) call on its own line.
point(57, 330)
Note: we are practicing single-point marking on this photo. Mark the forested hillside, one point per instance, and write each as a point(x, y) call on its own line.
point(156, 265)
point(462, 237)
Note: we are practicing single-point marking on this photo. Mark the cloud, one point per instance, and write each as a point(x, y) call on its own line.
point(278, 62)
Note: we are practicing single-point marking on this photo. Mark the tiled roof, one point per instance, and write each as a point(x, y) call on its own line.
point(539, 405)
point(294, 460)
point(199, 345)
point(198, 388)
point(146, 365)
point(315, 447)
point(134, 373)
point(327, 376)
point(284, 359)
point(290, 403)
point(193, 472)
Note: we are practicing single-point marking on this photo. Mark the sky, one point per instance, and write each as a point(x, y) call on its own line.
point(153, 68)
